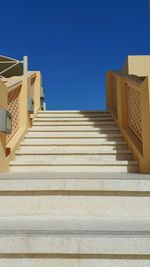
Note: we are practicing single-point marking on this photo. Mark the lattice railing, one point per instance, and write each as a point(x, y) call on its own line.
point(13, 108)
point(134, 109)
point(131, 93)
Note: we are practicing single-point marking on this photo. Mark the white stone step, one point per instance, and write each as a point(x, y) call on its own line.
point(74, 135)
point(91, 182)
point(68, 226)
point(74, 204)
point(79, 141)
point(73, 129)
point(73, 111)
point(107, 135)
point(84, 166)
point(73, 115)
point(75, 261)
point(71, 119)
point(72, 157)
point(71, 149)
point(73, 124)
point(63, 225)
point(57, 240)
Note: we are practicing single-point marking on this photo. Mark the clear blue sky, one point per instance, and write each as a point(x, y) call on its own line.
point(74, 42)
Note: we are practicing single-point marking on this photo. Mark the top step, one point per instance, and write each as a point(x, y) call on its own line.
point(73, 111)
point(73, 114)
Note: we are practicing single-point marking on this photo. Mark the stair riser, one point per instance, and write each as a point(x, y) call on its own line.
point(64, 262)
point(102, 142)
point(73, 206)
point(78, 111)
point(79, 168)
point(59, 115)
point(72, 123)
point(78, 128)
point(76, 184)
point(73, 135)
point(106, 135)
point(66, 146)
point(74, 120)
point(72, 158)
point(71, 149)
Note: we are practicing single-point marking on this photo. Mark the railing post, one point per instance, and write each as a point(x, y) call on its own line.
point(3, 104)
point(23, 107)
point(108, 92)
point(25, 64)
point(145, 115)
point(37, 89)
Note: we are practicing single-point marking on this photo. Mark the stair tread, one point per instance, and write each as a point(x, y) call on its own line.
point(52, 115)
point(74, 120)
point(76, 175)
point(75, 181)
point(68, 125)
point(99, 226)
point(72, 152)
point(73, 111)
point(81, 163)
point(64, 129)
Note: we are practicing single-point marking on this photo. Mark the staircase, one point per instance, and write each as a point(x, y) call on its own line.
point(74, 197)
point(74, 141)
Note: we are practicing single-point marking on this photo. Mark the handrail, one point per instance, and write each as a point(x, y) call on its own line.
point(14, 94)
point(14, 81)
point(129, 103)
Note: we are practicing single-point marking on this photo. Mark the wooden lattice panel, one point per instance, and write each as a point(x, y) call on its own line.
point(134, 111)
point(13, 107)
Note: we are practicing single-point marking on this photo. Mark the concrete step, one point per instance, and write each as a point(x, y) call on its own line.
point(83, 166)
point(76, 261)
point(73, 182)
point(72, 123)
point(58, 238)
point(76, 141)
point(70, 204)
point(54, 149)
point(73, 115)
point(76, 226)
point(76, 120)
point(67, 134)
point(73, 111)
point(73, 157)
point(73, 129)
point(78, 128)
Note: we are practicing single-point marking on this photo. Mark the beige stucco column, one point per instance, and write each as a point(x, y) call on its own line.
point(145, 114)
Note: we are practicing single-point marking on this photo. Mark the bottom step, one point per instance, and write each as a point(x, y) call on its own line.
point(34, 242)
point(74, 237)
point(64, 262)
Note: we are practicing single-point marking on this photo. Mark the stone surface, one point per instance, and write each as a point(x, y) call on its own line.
point(70, 197)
